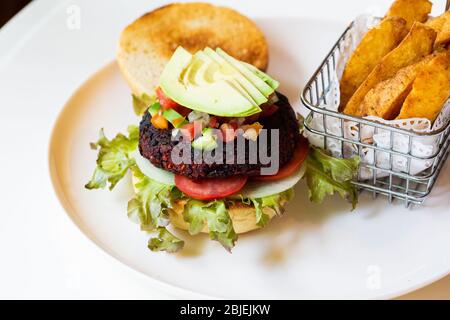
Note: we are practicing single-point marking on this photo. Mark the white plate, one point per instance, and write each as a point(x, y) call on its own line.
point(314, 251)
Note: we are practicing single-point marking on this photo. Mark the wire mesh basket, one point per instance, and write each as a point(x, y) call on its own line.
point(380, 172)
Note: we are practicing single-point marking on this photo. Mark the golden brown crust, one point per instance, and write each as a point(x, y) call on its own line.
point(149, 41)
point(375, 44)
point(387, 97)
point(441, 25)
point(430, 90)
point(414, 47)
point(410, 10)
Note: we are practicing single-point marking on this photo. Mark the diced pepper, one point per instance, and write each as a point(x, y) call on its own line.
point(159, 121)
point(251, 132)
point(176, 119)
point(213, 122)
point(191, 130)
point(154, 108)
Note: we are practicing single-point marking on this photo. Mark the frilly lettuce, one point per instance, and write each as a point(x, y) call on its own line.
point(326, 175)
point(141, 104)
point(215, 215)
point(113, 159)
point(274, 202)
point(152, 200)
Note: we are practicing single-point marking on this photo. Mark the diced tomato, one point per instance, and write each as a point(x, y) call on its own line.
point(182, 110)
point(188, 131)
point(228, 131)
point(213, 122)
point(159, 122)
point(292, 166)
point(191, 130)
point(267, 111)
point(167, 103)
point(164, 101)
point(210, 189)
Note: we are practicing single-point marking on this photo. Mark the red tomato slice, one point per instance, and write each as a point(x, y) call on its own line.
point(293, 165)
point(210, 189)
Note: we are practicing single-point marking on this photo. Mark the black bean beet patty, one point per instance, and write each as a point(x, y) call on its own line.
point(157, 144)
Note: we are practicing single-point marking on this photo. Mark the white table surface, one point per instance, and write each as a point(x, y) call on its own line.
point(42, 254)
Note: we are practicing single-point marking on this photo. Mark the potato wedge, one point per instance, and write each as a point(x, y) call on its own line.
point(441, 25)
point(376, 43)
point(416, 45)
point(410, 10)
point(430, 90)
point(386, 98)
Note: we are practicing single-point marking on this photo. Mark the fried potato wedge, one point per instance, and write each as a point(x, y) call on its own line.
point(410, 10)
point(441, 25)
point(386, 98)
point(376, 43)
point(416, 45)
point(430, 90)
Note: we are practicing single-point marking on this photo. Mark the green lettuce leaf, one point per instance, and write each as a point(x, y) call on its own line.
point(152, 199)
point(165, 241)
point(326, 175)
point(113, 159)
point(141, 104)
point(149, 208)
point(275, 202)
point(215, 215)
point(150, 203)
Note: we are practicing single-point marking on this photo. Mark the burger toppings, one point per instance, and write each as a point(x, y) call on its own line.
point(209, 104)
point(293, 165)
point(215, 83)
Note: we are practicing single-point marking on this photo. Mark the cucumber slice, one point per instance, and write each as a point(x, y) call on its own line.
point(261, 189)
point(155, 173)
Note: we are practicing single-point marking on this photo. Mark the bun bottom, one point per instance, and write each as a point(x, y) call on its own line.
point(243, 216)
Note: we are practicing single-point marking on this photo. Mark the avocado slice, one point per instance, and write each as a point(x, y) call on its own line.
point(217, 98)
point(214, 72)
point(228, 70)
point(264, 76)
point(258, 82)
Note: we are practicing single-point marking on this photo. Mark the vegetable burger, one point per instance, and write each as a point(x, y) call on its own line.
point(218, 150)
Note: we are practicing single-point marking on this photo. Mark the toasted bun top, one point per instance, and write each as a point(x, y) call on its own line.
point(147, 44)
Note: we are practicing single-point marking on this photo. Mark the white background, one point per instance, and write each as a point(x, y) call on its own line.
point(42, 254)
